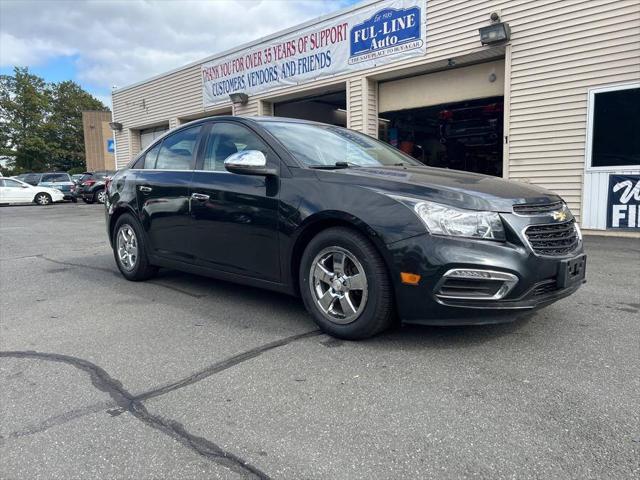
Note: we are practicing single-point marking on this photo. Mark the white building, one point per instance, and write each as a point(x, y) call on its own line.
point(557, 103)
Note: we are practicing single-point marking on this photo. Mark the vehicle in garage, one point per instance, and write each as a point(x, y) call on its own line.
point(13, 190)
point(91, 187)
point(361, 231)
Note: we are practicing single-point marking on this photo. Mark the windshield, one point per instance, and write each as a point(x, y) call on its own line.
point(326, 145)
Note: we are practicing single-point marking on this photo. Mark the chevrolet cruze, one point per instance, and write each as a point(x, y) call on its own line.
point(363, 233)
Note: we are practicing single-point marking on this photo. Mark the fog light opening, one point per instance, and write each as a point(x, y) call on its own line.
point(475, 284)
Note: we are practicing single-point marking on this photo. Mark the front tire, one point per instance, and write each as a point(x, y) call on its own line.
point(130, 251)
point(43, 198)
point(100, 196)
point(345, 286)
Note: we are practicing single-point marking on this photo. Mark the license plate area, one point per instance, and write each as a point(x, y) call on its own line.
point(572, 271)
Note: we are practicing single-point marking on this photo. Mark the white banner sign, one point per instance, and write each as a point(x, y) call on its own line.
point(371, 36)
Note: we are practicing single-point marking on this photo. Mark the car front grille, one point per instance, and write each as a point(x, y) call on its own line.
point(553, 239)
point(537, 208)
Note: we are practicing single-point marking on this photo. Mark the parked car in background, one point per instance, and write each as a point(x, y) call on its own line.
point(58, 180)
point(91, 187)
point(13, 190)
point(21, 177)
point(78, 177)
point(62, 181)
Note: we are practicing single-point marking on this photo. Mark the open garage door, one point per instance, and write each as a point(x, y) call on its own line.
point(451, 119)
point(327, 108)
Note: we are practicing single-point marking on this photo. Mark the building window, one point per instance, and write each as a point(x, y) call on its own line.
point(615, 123)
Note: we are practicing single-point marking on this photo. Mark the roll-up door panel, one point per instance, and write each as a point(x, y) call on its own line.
point(454, 85)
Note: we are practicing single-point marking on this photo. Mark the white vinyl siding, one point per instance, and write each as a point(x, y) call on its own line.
point(559, 50)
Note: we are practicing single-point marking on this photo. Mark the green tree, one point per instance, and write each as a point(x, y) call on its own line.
point(63, 127)
point(40, 123)
point(24, 105)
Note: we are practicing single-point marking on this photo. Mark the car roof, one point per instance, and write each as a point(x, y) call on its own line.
point(255, 119)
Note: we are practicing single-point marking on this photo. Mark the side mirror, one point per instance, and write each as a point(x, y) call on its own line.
point(248, 162)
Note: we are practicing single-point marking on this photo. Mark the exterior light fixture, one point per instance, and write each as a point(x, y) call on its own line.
point(495, 33)
point(115, 126)
point(239, 98)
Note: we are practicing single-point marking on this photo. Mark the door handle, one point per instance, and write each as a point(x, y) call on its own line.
point(144, 189)
point(201, 197)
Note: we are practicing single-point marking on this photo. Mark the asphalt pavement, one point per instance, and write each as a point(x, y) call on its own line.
point(188, 377)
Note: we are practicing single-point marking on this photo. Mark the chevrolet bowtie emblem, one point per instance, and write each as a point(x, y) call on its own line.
point(559, 216)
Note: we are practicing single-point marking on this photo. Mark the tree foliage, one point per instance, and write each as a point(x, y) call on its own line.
point(41, 123)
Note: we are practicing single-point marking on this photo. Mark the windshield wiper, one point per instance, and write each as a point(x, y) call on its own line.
point(335, 166)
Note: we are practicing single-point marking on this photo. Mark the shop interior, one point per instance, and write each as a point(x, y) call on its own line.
point(462, 136)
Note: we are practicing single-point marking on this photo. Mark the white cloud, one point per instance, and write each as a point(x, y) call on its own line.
point(121, 42)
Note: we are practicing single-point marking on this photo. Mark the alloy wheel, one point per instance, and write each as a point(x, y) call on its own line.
point(338, 285)
point(127, 245)
point(43, 199)
point(101, 196)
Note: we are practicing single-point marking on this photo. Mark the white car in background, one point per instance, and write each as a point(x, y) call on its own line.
point(16, 191)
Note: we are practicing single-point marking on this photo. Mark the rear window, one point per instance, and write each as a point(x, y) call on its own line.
point(56, 177)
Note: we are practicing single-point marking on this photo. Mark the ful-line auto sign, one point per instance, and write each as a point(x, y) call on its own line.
point(369, 36)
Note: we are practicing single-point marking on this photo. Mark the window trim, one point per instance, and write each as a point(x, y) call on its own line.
point(592, 92)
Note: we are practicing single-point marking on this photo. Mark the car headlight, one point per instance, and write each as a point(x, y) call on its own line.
point(457, 222)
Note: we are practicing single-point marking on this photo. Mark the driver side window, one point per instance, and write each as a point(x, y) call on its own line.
point(224, 140)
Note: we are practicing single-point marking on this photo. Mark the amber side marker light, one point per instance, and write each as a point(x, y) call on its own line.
point(409, 278)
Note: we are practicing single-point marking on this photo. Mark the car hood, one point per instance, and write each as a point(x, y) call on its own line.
point(451, 187)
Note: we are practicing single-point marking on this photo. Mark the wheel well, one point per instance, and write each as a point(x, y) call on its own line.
point(311, 231)
point(114, 218)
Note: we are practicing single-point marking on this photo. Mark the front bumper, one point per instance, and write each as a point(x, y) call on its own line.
point(538, 279)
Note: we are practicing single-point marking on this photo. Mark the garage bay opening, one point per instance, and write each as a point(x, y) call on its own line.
point(326, 108)
point(462, 135)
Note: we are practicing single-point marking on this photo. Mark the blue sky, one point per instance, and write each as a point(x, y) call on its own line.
point(103, 43)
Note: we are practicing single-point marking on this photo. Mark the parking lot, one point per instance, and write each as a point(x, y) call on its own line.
point(187, 377)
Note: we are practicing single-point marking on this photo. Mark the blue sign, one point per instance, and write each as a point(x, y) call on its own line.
point(110, 146)
point(387, 31)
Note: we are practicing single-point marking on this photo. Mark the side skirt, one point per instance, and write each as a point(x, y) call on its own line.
point(220, 275)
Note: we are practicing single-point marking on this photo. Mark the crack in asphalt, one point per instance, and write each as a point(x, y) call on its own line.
point(114, 271)
point(61, 419)
point(134, 403)
point(79, 265)
point(223, 365)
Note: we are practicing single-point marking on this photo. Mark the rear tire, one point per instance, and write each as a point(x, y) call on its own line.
point(43, 198)
point(100, 196)
point(345, 286)
point(130, 250)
